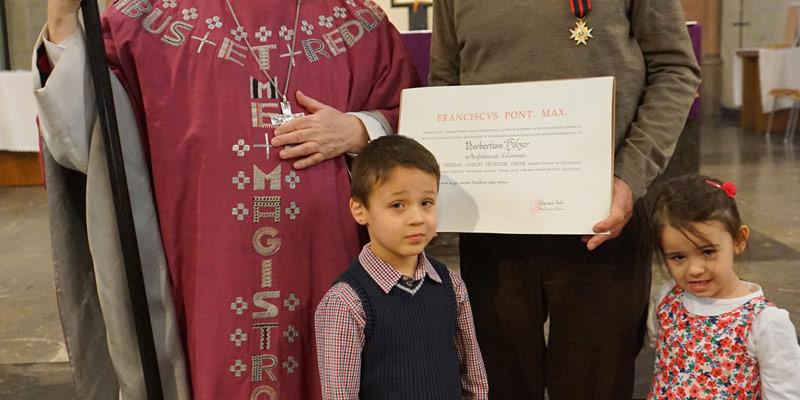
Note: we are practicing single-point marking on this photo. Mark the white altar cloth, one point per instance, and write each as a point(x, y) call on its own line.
point(18, 130)
point(777, 68)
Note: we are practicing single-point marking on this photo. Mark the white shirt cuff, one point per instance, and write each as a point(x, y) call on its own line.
point(374, 128)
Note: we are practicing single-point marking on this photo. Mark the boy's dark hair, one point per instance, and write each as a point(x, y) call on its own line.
point(381, 156)
point(689, 199)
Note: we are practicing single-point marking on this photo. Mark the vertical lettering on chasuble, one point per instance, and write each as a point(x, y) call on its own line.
point(263, 340)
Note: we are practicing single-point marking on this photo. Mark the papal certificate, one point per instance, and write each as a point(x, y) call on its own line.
point(530, 157)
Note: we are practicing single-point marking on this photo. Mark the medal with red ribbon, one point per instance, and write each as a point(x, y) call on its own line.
point(581, 33)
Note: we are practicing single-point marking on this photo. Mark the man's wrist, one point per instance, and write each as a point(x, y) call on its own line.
point(362, 137)
point(61, 27)
point(371, 127)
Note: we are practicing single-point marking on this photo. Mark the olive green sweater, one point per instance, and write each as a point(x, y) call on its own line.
point(643, 43)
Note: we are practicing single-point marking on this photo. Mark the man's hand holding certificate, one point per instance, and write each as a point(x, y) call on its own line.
point(533, 157)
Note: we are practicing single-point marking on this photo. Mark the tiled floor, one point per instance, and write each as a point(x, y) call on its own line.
point(33, 363)
point(33, 358)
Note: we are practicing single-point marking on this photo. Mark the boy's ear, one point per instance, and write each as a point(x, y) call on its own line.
point(359, 211)
point(741, 244)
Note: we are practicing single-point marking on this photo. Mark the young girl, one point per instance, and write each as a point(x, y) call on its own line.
point(719, 337)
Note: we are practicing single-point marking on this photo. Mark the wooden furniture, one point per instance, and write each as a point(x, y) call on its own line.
point(19, 169)
point(752, 116)
point(19, 157)
point(791, 126)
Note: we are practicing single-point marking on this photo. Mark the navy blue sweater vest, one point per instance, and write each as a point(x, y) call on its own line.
point(409, 347)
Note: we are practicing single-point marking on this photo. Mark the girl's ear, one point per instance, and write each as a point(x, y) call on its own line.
point(744, 237)
point(359, 211)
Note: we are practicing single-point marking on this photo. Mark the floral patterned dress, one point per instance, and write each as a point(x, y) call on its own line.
point(705, 357)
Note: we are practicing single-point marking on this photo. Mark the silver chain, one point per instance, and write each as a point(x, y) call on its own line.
point(253, 52)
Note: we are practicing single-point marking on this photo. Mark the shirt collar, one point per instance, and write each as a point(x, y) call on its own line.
point(387, 276)
point(755, 291)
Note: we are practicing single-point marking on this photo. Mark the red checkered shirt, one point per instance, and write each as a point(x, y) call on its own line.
point(340, 322)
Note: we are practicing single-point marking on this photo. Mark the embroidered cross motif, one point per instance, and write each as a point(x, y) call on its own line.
point(238, 368)
point(240, 211)
point(169, 3)
point(240, 180)
point(325, 22)
point(239, 33)
point(293, 210)
point(307, 28)
point(239, 306)
point(290, 54)
point(263, 34)
point(286, 33)
point(213, 23)
point(203, 40)
point(292, 302)
point(290, 365)
point(237, 337)
point(189, 13)
point(339, 12)
point(292, 179)
point(240, 148)
point(291, 333)
point(265, 145)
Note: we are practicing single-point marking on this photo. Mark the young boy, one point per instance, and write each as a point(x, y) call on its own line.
point(397, 325)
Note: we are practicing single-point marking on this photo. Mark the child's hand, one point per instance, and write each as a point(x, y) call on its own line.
point(620, 214)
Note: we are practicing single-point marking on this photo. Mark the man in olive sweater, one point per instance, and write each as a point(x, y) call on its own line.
point(594, 290)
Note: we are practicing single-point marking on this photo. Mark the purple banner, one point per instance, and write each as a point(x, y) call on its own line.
point(419, 45)
point(695, 33)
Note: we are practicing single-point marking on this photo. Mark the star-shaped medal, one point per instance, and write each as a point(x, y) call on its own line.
point(581, 33)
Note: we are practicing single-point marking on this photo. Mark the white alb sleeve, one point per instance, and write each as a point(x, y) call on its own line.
point(65, 102)
point(375, 128)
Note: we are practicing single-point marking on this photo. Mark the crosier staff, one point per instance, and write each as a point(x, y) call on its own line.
point(122, 204)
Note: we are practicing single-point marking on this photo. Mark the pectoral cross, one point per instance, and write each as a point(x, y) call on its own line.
point(285, 115)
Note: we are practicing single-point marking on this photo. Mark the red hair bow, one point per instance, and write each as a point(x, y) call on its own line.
point(728, 187)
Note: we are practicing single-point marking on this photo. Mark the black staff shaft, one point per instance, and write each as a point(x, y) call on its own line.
point(122, 204)
point(4, 34)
